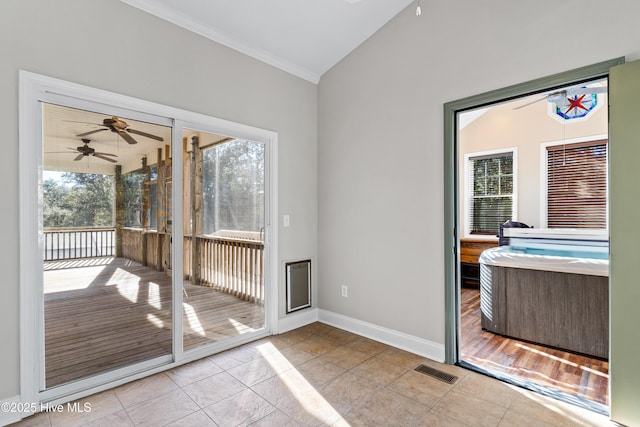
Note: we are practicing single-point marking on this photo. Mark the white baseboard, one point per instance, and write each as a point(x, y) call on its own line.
point(8, 413)
point(296, 320)
point(413, 344)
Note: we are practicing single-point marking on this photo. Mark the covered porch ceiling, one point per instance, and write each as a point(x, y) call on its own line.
point(64, 129)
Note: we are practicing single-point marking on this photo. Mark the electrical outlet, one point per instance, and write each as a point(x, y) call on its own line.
point(344, 291)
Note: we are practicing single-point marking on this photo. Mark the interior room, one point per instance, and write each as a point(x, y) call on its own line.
point(533, 189)
point(360, 169)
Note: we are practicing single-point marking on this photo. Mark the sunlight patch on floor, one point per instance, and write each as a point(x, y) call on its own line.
point(128, 284)
point(550, 356)
point(155, 320)
point(241, 327)
point(154, 295)
point(565, 411)
point(69, 280)
point(307, 396)
point(192, 319)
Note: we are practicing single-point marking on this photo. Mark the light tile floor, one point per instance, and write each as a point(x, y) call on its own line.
point(312, 376)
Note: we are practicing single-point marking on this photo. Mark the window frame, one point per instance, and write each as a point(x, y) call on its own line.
point(544, 171)
point(468, 189)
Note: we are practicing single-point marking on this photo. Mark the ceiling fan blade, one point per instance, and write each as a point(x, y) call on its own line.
point(148, 135)
point(79, 156)
point(86, 123)
point(106, 154)
point(90, 132)
point(127, 137)
point(104, 158)
point(530, 103)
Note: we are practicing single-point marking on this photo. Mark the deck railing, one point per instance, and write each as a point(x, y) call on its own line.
point(231, 264)
point(78, 242)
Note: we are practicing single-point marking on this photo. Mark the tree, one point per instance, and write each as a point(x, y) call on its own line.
point(56, 210)
point(233, 186)
point(133, 194)
point(79, 200)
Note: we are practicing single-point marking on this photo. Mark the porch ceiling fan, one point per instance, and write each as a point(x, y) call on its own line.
point(565, 95)
point(119, 126)
point(86, 151)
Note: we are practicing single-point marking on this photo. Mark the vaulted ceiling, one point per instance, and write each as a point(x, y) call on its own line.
point(303, 37)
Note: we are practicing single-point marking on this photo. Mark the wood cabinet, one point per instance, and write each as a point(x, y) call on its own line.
point(470, 250)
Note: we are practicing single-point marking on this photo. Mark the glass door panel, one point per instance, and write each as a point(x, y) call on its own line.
point(107, 284)
point(223, 248)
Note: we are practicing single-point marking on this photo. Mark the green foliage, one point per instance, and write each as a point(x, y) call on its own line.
point(233, 186)
point(133, 198)
point(80, 200)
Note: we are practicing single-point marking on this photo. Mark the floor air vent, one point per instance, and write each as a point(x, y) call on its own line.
point(439, 375)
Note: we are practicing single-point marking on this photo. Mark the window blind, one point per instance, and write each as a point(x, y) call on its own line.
point(577, 185)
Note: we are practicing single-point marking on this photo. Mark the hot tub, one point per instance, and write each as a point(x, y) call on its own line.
point(553, 292)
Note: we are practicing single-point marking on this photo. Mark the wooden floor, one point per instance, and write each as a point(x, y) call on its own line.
point(107, 313)
point(559, 370)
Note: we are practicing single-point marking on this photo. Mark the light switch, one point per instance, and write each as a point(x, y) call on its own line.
point(285, 220)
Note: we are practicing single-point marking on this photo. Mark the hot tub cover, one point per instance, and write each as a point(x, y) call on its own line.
point(502, 256)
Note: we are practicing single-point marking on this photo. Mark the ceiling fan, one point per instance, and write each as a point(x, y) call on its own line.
point(86, 151)
point(565, 95)
point(119, 126)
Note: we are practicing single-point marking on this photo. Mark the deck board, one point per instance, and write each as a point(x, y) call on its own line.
point(574, 374)
point(108, 313)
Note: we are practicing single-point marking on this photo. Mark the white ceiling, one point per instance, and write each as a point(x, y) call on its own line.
point(303, 37)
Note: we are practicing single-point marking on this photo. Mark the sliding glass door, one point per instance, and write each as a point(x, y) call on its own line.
point(145, 239)
point(107, 299)
point(223, 245)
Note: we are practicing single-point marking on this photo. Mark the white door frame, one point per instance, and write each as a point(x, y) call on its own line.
point(34, 89)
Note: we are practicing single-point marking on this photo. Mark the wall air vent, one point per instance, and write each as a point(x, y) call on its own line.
point(298, 285)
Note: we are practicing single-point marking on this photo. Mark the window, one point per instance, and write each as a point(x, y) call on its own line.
point(577, 185)
point(490, 179)
point(233, 183)
point(153, 197)
point(132, 186)
point(153, 205)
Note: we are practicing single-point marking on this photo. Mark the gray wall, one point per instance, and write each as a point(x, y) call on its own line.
point(380, 149)
point(112, 46)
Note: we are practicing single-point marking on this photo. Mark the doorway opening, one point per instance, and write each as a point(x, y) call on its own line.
point(531, 184)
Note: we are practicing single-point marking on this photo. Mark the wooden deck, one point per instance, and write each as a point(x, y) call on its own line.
point(107, 313)
point(574, 374)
